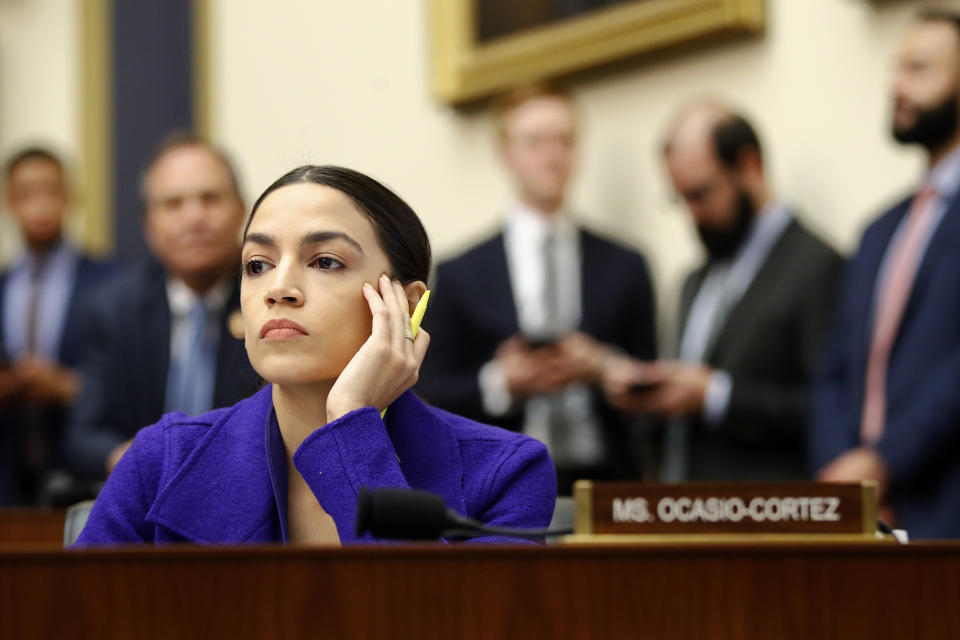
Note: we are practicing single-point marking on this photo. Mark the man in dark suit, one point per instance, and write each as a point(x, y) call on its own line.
point(523, 323)
point(753, 317)
point(41, 298)
point(886, 404)
point(167, 336)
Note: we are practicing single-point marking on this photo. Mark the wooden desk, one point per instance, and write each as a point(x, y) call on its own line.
point(711, 591)
point(32, 526)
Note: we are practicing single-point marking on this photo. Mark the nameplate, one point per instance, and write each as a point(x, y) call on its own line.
point(724, 508)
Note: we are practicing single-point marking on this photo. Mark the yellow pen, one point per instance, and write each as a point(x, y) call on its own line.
point(418, 312)
point(415, 321)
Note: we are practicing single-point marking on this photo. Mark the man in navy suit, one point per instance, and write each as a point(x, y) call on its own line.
point(887, 398)
point(41, 297)
point(167, 335)
point(523, 323)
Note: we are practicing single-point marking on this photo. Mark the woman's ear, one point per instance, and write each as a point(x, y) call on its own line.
point(414, 292)
point(235, 324)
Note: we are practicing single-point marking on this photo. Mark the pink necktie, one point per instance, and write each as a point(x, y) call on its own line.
point(891, 302)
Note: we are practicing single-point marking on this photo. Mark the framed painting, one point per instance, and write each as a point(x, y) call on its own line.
point(484, 46)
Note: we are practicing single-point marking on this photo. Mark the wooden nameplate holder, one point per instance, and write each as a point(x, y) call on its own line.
point(632, 512)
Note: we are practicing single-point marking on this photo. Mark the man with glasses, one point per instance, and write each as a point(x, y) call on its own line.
point(753, 316)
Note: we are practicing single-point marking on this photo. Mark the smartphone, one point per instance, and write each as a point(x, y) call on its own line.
point(643, 387)
point(541, 343)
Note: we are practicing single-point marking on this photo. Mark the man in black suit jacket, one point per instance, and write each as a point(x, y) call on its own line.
point(753, 318)
point(523, 323)
point(41, 298)
point(166, 336)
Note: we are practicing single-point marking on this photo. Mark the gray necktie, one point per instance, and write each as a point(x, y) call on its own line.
point(571, 437)
point(192, 372)
point(552, 326)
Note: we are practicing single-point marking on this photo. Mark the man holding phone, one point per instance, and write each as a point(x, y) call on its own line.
point(753, 317)
point(524, 322)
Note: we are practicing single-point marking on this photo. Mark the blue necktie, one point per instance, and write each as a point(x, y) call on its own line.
point(192, 372)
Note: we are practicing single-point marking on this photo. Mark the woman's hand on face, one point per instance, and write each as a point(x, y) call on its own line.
point(388, 363)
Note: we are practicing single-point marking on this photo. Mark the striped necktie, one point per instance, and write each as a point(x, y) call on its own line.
point(33, 307)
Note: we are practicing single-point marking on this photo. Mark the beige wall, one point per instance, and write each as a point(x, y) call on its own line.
point(40, 85)
point(347, 82)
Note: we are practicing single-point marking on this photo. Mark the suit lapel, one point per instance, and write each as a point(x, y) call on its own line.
point(153, 343)
point(590, 286)
point(689, 293)
point(70, 337)
point(496, 301)
point(234, 376)
point(869, 260)
point(3, 337)
point(86, 277)
point(600, 295)
point(944, 237)
point(222, 491)
point(765, 279)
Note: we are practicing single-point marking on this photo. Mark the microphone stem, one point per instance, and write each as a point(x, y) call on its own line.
point(471, 528)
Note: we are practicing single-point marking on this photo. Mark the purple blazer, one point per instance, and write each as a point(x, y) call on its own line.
point(221, 477)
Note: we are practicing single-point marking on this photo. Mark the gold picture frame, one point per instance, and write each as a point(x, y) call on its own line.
point(464, 69)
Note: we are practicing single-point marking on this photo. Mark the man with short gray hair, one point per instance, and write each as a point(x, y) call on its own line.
point(164, 338)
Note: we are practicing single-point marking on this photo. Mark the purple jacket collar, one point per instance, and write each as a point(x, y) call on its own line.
point(233, 484)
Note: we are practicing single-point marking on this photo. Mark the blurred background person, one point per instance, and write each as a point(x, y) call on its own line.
point(523, 322)
point(144, 79)
point(41, 300)
point(167, 336)
point(886, 405)
point(753, 317)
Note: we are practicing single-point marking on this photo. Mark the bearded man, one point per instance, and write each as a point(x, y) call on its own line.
point(886, 402)
point(753, 317)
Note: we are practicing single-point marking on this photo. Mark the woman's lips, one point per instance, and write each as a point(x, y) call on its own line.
point(281, 329)
point(282, 333)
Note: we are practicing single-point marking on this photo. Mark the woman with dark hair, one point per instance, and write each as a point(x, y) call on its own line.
point(333, 264)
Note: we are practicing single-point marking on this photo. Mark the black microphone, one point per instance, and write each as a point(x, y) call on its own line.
point(411, 514)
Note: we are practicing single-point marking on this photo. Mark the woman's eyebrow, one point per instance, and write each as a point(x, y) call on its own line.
point(317, 237)
point(261, 239)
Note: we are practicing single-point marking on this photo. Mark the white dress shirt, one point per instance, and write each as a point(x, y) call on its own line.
point(525, 233)
point(524, 236)
point(182, 299)
point(56, 284)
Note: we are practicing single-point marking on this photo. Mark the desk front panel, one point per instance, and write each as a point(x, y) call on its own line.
point(670, 591)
